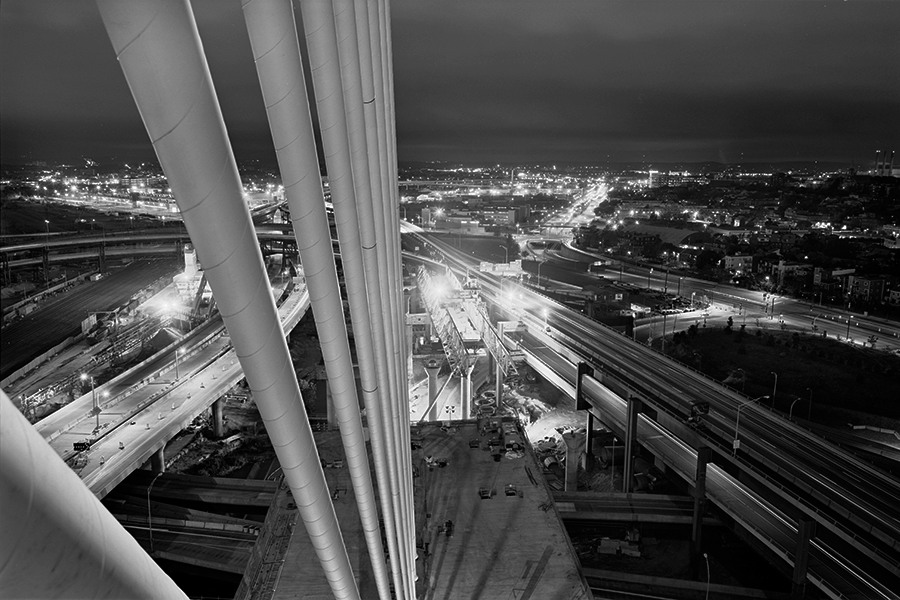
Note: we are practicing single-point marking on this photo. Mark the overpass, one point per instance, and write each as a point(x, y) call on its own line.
point(89, 246)
point(776, 482)
point(593, 507)
point(145, 407)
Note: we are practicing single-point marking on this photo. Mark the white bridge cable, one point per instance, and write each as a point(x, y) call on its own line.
point(378, 273)
point(160, 52)
point(273, 39)
point(318, 23)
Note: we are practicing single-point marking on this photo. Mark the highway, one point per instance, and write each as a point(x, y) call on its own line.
point(578, 507)
point(770, 310)
point(145, 407)
point(853, 503)
point(844, 575)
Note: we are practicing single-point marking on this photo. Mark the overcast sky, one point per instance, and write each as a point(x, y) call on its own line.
point(512, 81)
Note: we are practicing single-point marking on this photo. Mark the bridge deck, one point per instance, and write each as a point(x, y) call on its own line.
point(301, 574)
point(504, 546)
point(146, 418)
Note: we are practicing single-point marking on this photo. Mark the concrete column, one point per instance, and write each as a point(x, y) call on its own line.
point(572, 450)
point(218, 422)
point(589, 441)
point(703, 456)
point(582, 404)
point(806, 529)
point(498, 386)
point(432, 366)
point(466, 393)
point(491, 366)
point(499, 377)
point(409, 338)
point(158, 461)
point(634, 408)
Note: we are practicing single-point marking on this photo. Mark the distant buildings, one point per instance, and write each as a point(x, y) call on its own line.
point(739, 265)
point(865, 288)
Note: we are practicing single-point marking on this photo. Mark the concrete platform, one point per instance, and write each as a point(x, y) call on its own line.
point(503, 546)
point(284, 564)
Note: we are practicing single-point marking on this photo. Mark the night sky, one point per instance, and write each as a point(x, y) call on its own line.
point(512, 81)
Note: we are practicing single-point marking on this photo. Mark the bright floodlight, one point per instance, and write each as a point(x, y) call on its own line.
point(84, 376)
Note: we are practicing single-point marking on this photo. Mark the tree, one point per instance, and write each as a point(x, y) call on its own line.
point(707, 259)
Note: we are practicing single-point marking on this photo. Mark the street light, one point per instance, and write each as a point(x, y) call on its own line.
point(539, 271)
point(679, 285)
point(648, 279)
point(737, 423)
point(96, 409)
point(47, 223)
point(791, 411)
point(706, 558)
point(149, 516)
point(506, 250)
point(774, 387)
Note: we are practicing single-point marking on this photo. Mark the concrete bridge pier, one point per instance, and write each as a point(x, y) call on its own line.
point(704, 453)
point(409, 343)
point(806, 530)
point(582, 404)
point(498, 373)
point(465, 392)
point(498, 386)
point(218, 420)
point(432, 366)
point(573, 448)
point(589, 438)
point(634, 409)
point(158, 461)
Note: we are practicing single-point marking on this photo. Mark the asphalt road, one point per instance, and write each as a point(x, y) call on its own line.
point(145, 420)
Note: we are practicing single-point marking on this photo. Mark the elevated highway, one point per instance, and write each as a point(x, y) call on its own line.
point(779, 474)
point(86, 246)
point(142, 409)
point(587, 507)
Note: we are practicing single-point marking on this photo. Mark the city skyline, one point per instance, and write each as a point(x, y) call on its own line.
point(496, 82)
